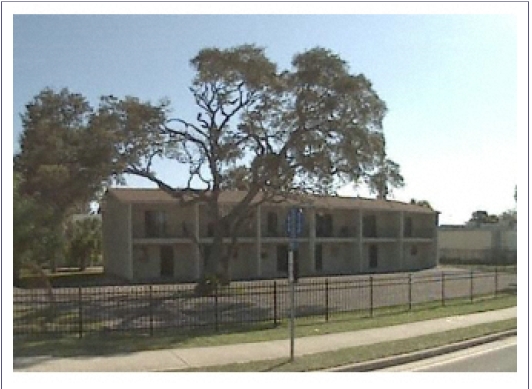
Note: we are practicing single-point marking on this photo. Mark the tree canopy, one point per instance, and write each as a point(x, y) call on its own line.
point(65, 156)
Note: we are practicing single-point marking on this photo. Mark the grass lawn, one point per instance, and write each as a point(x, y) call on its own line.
point(114, 343)
point(326, 360)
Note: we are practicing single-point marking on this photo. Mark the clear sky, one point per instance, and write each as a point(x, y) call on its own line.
point(450, 83)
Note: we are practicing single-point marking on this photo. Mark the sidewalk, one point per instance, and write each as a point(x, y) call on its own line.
point(175, 359)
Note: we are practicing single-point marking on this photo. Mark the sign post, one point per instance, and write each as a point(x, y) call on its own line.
point(294, 225)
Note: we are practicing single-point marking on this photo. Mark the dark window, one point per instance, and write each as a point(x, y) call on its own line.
point(373, 254)
point(408, 227)
point(272, 224)
point(156, 224)
point(206, 251)
point(413, 250)
point(370, 226)
point(167, 261)
point(282, 258)
point(324, 225)
point(210, 229)
point(344, 231)
point(319, 257)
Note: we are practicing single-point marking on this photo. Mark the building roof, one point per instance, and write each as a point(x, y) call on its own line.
point(142, 195)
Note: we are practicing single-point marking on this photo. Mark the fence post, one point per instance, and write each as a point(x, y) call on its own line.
point(150, 307)
point(471, 286)
point(326, 299)
point(443, 289)
point(409, 291)
point(275, 319)
point(80, 312)
point(371, 296)
point(216, 306)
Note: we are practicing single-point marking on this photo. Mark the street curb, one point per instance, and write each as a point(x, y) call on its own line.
point(418, 355)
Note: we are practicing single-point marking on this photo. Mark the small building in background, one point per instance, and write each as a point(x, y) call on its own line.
point(489, 243)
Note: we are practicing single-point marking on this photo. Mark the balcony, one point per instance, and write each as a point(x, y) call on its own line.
point(421, 233)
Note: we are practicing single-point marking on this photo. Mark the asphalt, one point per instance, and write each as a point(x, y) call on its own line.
point(186, 358)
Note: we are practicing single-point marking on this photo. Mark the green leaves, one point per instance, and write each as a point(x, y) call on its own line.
point(83, 241)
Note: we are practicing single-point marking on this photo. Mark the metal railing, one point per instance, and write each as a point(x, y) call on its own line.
point(154, 308)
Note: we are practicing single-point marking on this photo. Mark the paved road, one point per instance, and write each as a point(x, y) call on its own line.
point(499, 356)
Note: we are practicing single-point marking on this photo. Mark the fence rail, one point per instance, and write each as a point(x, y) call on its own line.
point(152, 308)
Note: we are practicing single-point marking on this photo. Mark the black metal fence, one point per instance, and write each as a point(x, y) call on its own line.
point(154, 308)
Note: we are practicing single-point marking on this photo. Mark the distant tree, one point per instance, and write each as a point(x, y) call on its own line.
point(269, 133)
point(482, 217)
point(83, 241)
point(422, 203)
point(33, 237)
point(66, 156)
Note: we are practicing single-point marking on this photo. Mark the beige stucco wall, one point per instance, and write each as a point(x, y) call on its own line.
point(509, 240)
point(387, 224)
point(424, 257)
point(387, 257)
point(244, 264)
point(423, 226)
point(147, 261)
point(116, 240)
point(465, 239)
point(339, 258)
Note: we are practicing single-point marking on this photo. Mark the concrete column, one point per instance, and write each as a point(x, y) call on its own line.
point(401, 239)
point(258, 263)
point(197, 254)
point(129, 229)
point(435, 244)
point(360, 241)
point(312, 238)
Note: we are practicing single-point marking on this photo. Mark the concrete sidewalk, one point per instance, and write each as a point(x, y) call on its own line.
point(175, 359)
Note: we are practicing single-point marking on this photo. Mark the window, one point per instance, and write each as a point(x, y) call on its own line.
point(413, 250)
point(282, 258)
point(370, 226)
point(156, 224)
point(167, 261)
point(408, 227)
point(324, 225)
point(318, 266)
point(272, 224)
point(210, 229)
point(373, 254)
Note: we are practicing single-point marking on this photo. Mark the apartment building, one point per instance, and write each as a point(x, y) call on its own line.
point(148, 235)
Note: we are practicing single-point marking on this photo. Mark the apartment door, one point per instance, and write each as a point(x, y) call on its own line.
point(373, 256)
point(282, 260)
point(167, 261)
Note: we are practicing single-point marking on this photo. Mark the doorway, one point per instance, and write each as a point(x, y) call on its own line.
point(373, 256)
point(282, 260)
point(167, 261)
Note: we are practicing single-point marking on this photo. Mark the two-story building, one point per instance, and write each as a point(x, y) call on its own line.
point(147, 235)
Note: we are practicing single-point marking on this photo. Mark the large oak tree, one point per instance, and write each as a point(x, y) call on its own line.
point(271, 133)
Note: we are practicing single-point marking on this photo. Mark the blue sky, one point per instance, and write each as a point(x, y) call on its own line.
point(450, 83)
